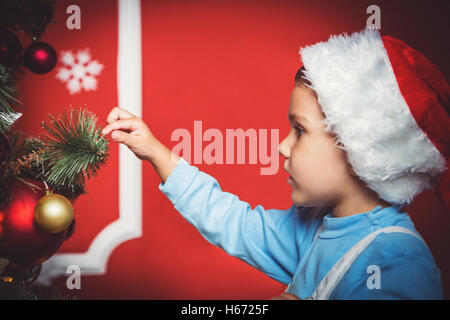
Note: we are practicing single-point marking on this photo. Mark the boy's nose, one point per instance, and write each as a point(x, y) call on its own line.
point(283, 149)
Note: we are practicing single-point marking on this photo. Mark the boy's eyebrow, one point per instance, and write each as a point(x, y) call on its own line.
point(299, 118)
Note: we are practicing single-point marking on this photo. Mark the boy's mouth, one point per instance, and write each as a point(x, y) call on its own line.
point(290, 180)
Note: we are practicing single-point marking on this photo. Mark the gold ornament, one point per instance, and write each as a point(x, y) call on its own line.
point(53, 212)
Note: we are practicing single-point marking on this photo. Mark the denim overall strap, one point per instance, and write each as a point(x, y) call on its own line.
point(331, 280)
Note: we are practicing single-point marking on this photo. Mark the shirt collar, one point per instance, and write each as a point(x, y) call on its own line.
point(336, 227)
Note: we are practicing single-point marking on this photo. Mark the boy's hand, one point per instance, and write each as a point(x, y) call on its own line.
point(132, 131)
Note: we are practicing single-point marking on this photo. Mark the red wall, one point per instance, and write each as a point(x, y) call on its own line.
point(230, 64)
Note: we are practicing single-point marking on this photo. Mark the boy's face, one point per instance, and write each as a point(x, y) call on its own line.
point(319, 170)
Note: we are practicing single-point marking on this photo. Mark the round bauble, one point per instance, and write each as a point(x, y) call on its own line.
point(40, 57)
point(53, 213)
point(22, 241)
point(10, 49)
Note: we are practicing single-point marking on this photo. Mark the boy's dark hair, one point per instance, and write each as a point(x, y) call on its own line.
point(300, 77)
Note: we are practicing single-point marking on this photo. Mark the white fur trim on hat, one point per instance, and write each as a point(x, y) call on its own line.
point(360, 97)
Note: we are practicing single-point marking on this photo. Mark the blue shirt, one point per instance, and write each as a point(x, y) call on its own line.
point(281, 243)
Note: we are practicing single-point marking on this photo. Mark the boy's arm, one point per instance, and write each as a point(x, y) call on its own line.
point(265, 239)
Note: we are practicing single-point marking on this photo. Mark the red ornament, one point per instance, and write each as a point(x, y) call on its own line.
point(10, 48)
point(21, 240)
point(40, 57)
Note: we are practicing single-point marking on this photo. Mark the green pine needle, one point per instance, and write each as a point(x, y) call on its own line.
point(75, 149)
point(9, 98)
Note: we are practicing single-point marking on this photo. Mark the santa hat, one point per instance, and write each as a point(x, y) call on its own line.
point(389, 107)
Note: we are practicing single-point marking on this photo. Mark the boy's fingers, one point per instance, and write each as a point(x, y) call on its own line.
point(117, 114)
point(125, 124)
point(122, 137)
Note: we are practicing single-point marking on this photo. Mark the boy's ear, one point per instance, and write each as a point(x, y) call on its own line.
point(349, 166)
point(350, 169)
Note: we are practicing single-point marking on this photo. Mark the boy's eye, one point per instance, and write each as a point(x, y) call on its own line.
point(299, 131)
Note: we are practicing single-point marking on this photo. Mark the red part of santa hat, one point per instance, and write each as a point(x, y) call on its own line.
point(427, 95)
point(389, 107)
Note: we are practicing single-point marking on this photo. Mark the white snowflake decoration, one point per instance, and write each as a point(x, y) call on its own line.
point(79, 71)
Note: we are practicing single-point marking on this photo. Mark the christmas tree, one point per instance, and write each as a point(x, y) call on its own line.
point(37, 173)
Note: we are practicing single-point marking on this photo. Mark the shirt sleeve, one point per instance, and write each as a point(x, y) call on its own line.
point(265, 239)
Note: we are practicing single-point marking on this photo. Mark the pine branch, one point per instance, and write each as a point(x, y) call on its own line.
point(9, 98)
point(31, 16)
point(22, 145)
point(22, 163)
point(75, 149)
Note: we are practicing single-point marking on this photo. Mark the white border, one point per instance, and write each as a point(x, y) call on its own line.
point(129, 225)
